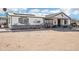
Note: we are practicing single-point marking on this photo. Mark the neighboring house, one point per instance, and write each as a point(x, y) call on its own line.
point(75, 22)
point(22, 21)
point(58, 20)
point(3, 21)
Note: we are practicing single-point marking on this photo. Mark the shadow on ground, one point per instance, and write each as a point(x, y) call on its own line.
point(65, 30)
point(42, 29)
point(45, 29)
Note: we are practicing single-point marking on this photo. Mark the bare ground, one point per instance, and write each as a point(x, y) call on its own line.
point(47, 40)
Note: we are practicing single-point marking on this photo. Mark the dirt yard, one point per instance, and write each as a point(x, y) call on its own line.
point(47, 40)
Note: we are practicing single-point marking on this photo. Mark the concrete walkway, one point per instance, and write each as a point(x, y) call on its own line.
point(4, 30)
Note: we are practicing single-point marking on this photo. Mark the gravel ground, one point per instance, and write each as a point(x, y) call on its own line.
point(45, 40)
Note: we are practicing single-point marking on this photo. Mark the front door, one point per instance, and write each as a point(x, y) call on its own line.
point(59, 22)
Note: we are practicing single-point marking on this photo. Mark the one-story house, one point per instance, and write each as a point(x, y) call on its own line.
point(22, 21)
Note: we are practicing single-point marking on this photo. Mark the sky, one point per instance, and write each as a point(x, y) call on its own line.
point(72, 12)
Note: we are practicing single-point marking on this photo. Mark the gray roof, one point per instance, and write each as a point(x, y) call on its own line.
point(26, 15)
point(55, 14)
point(15, 14)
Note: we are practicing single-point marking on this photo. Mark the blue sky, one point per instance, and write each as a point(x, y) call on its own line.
point(72, 12)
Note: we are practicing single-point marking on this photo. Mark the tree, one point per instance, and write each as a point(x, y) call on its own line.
point(5, 10)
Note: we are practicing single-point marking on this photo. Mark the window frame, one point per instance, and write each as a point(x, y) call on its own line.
point(22, 20)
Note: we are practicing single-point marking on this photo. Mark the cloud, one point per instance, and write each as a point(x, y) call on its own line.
point(48, 11)
point(17, 10)
point(54, 11)
point(38, 12)
point(45, 11)
point(34, 11)
point(13, 10)
point(22, 10)
point(76, 12)
point(66, 10)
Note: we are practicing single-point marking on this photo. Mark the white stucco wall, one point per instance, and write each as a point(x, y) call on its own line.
point(55, 22)
point(9, 21)
point(12, 21)
point(32, 21)
point(60, 16)
point(69, 22)
point(15, 20)
point(62, 22)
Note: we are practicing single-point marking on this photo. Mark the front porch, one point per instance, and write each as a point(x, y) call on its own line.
point(59, 22)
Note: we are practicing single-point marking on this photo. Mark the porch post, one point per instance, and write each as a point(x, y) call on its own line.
point(56, 21)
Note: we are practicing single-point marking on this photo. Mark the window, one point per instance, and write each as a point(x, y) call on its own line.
point(23, 20)
point(37, 21)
